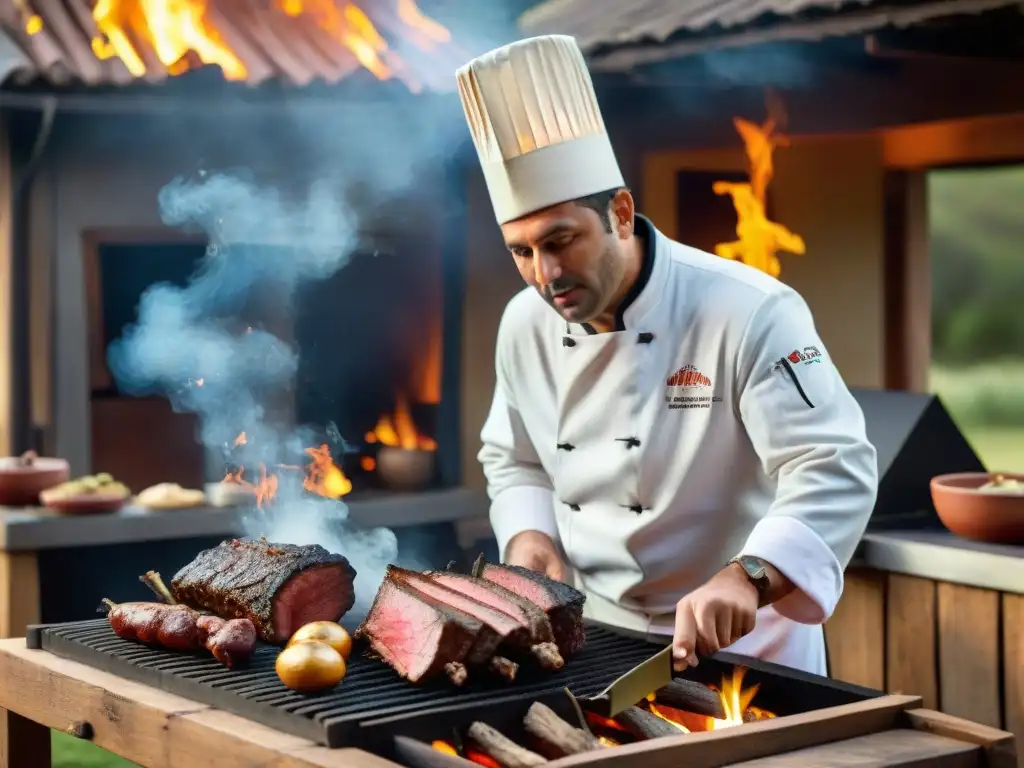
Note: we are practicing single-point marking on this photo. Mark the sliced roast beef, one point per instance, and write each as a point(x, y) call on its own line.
point(562, 604)
point(279, 587)
point(497, 626)
point(418, 636)
point(534, 630)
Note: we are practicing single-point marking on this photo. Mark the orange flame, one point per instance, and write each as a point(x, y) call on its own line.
point(324, 477)
point(400, 431)
point(759, 239)
point(264, 489)
point(241, 439)
point(736, 702)
point(181, 32)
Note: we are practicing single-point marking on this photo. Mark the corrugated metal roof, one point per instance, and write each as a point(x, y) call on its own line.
point(614, 22)
point(271, 44)
point(618, 50)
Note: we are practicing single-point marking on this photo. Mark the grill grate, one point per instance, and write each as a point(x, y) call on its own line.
point(371, 690)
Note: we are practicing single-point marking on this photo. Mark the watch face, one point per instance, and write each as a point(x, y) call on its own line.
point(753, 568)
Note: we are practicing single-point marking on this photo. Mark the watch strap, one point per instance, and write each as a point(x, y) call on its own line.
point(756, 574)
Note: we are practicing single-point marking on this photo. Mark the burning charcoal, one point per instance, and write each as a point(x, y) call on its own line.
point(693, 697)
point(504, 751)
point(644, 725)
point(556, 737)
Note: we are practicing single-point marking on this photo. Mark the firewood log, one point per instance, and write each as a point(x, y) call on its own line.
point(556, 737)
point(501, 749)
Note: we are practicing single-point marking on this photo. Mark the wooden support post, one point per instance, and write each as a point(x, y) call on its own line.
point(19, 592)
point(23, 743)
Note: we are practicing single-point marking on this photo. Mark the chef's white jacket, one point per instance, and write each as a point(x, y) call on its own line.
point(711, 423)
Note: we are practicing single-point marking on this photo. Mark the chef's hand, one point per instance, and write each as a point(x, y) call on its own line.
point(536, 551)
point(713, 617)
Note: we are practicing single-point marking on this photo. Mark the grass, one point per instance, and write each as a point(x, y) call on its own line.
point(987, 402)
point(69, 752)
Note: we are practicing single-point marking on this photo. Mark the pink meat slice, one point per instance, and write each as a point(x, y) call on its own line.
point(415, 634)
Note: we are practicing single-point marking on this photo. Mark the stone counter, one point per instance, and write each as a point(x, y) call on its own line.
point(56, 567)
point(34, 529)
point(928, 613)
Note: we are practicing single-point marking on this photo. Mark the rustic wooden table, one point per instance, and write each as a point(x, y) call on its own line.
point(40, 691)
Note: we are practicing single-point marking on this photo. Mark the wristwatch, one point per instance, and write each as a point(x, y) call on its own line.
point(756, 575)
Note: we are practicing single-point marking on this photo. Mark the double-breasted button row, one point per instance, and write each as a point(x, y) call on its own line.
point(642, 338)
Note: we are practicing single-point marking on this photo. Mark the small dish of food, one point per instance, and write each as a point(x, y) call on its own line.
point(91, 494)
point(169, 496)
point(981, 506)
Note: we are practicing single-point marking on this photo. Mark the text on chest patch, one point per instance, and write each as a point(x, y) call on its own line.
point(688, 388)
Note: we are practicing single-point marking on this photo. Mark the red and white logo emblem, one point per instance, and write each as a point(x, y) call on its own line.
point(688, 376)
point(687, 389)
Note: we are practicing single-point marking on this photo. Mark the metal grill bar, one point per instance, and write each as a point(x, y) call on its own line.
point(370, 691)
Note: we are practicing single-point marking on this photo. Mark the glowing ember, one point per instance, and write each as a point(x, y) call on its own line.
point(474, 756)
point(400, 431)
point(445, 747)
point(323, 476)
point(184, 33)
point(759, 239)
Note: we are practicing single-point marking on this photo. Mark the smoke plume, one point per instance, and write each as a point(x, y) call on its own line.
point(205, 346)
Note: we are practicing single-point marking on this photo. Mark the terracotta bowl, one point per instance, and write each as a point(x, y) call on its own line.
point(23, 478)
point(405, 470)
point(996, 517)
point(86, 504)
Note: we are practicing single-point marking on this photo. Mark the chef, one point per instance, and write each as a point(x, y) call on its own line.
point(667, 430)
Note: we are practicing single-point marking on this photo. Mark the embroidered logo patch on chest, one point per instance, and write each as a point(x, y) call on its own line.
point(689, 388)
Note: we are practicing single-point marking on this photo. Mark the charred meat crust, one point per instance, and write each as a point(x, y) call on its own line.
point(538, 623)
point(565, 611)
point(240, 577)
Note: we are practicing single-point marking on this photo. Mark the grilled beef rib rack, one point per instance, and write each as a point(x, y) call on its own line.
point(278, 587)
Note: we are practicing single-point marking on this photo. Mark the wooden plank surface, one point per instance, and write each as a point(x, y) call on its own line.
point(969, 664)
point(150, 727)
point(855, 634)
point(899, 748)
point(997, 744)
point(754, 740)
point(1013, 670)
point(911, 665)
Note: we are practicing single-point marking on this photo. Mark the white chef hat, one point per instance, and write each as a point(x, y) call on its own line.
point(536, 124)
